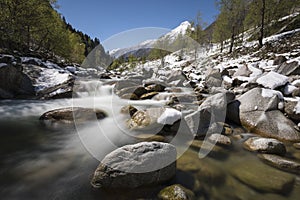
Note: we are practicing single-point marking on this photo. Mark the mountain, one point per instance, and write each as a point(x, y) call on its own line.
point(146, 46)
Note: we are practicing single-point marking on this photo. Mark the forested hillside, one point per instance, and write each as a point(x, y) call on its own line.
point(35, 26)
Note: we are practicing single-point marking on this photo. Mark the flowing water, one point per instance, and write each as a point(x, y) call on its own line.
point(39, 161)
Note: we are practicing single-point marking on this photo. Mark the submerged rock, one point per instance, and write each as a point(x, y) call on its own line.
point(176, 192)
point(263, 178)
point(281, 163)
point(220, 139)
point(138, 165)
point(265, 145)
point(71, 115)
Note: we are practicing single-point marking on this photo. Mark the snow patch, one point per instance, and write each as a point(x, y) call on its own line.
point(169, 117)
point(289, 89)
point(267, 93)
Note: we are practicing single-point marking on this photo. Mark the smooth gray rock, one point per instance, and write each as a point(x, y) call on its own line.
point(133, 166)
point(265, 145)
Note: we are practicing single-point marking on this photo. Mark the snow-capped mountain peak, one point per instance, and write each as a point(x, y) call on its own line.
point(170, 37)
point(180, 30)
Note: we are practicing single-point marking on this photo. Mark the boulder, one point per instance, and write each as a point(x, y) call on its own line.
point(129, 110)
point(146, 119)
point(279, 60)
point(212, 110)
point(71, 115)
point(262, 177)
point(281, 163)
point(289, 68)
point(290, 110)
point(126, 84)
point(176, 192)
point(133, 166)
point(243, 71)
point(257, 110)
point(213, 78)
point(176, 78)
point(14, 83)
point(265, 145)
point(272, 80)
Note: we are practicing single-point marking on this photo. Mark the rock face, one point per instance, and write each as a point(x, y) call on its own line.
point(265, 145)
point(257, 110)
point(176, 192)
point(263, 178)
point(14, 83)
point(281, 163)
point(138, 165)
point(71, 115)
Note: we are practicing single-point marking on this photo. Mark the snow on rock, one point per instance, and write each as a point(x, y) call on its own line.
point(296, 83)
point(272, 80)
point(50, 78)
point(289, 89)
point(3, 65)
point(169, 117)
point(71, 69)
point(267, 93)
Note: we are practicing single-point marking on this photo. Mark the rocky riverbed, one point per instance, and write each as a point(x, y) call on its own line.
point(212, 128)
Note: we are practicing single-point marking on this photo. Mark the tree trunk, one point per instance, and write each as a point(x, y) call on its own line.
point(262, 26)
point(232, 40)
point(222, 46)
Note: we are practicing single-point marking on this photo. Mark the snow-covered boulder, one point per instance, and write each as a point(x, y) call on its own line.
point(272, 80)
point(169, 117)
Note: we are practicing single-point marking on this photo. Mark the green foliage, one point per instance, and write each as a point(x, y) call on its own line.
point(34, 25)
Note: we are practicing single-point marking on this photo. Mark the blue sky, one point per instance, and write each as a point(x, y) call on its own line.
point(105, 18)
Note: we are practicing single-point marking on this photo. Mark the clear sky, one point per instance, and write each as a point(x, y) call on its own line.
point(105, 18)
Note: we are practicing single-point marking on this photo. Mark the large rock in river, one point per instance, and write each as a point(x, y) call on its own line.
point(212, 110)
point(257, 110)
point(71, 115)
point(138, 165)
